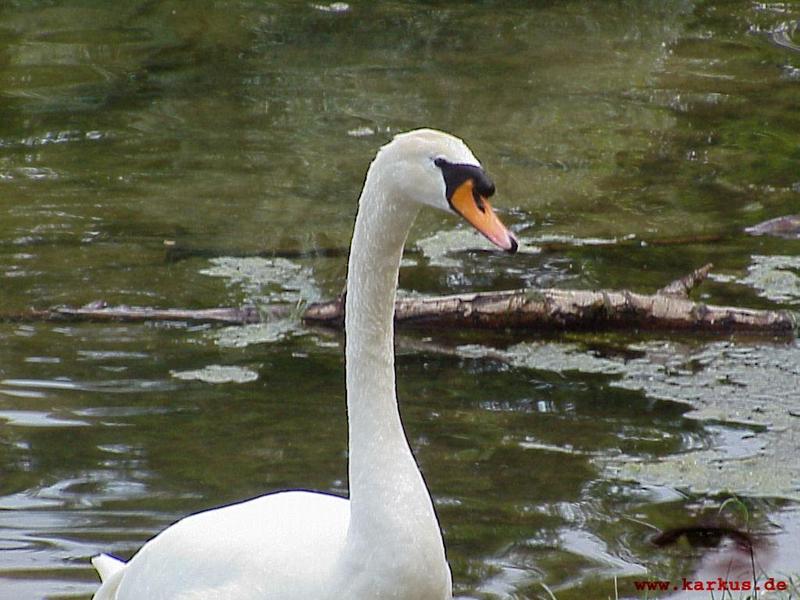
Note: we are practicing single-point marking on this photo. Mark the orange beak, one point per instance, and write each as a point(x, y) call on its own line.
point(478, 212)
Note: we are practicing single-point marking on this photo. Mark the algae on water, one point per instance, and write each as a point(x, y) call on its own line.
point(217, 374)
point(748, 396)
point(266, 280)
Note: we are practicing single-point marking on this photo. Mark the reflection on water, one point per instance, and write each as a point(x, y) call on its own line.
point(240, 129)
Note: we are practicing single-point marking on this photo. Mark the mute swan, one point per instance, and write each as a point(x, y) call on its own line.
point(384, 542)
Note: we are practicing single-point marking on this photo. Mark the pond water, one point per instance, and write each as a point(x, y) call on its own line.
point(641, 136)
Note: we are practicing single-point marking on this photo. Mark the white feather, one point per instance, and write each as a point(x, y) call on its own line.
point(384, 542)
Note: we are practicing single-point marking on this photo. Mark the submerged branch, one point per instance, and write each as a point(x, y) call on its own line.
point(680, 288)
point(100, 312)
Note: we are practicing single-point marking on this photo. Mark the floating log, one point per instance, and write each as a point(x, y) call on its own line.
point(553, 309)
point(540, 309)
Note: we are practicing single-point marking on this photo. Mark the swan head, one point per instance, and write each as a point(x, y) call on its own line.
point(433, 168)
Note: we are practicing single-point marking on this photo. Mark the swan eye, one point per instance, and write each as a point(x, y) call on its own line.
point(467, 188)
point(456, 174)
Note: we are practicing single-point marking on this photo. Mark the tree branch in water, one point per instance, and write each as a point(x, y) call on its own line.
point(525, 309)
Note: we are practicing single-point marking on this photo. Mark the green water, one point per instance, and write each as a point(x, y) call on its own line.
point(233, 128)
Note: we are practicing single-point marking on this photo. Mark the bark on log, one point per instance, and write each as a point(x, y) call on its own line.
point(681, 287)
point(555, 309)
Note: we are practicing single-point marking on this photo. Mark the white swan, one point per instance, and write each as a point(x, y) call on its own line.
point(384, 542)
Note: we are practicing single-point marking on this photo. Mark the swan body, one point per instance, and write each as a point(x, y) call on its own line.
point(384, 542)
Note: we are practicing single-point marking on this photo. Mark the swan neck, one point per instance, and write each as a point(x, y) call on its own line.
point(390, 507)
point(378, 449)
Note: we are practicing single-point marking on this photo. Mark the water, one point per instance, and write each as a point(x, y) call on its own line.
point(236, 128)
